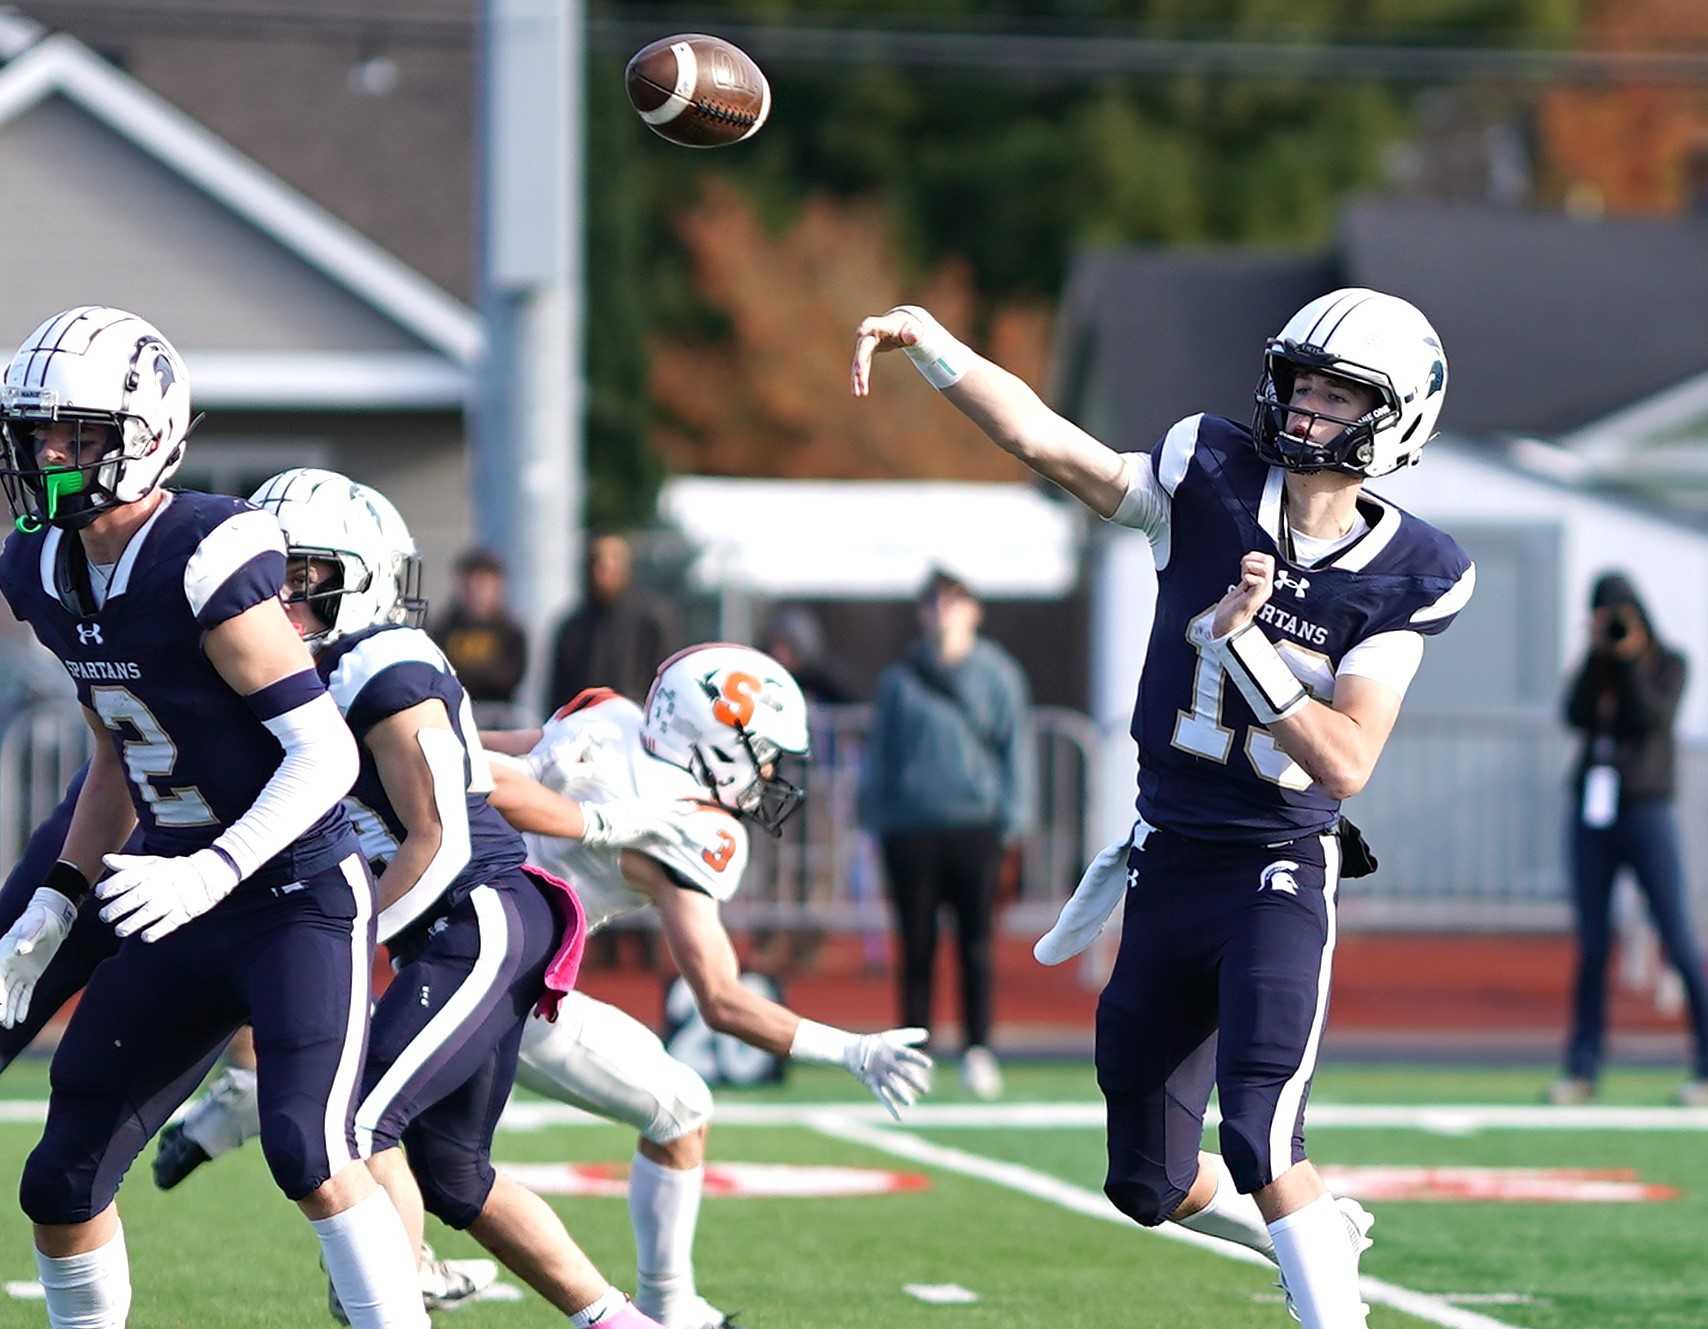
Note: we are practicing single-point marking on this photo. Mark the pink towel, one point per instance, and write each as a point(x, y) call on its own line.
point(566, 964)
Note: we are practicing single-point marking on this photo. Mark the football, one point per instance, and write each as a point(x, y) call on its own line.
point(698, 91)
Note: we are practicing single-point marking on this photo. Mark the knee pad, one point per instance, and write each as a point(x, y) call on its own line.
point(293, 1139)
point(1148, 1204)
point(454, 1182)
point(683, 1108)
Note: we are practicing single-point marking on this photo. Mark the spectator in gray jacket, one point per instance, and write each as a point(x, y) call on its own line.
point(944, 788)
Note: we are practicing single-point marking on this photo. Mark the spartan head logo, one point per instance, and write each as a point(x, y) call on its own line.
point(1278, 876)
point(163, 371)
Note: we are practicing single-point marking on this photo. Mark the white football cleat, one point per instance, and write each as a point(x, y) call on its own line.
point(447, 1285)
point(1359, 1220)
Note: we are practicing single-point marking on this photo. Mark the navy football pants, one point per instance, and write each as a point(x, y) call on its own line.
point(293, 961)
point(442, 1056)
point(1222, 979)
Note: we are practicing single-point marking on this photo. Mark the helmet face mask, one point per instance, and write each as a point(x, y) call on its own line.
point(71, 494)
point(1283, 431)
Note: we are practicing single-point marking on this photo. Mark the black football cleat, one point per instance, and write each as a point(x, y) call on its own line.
point(176, 1156)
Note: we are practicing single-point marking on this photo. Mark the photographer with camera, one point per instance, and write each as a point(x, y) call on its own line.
point(1624, 700)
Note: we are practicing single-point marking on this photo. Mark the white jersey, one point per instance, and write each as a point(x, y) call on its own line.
point(591, 751)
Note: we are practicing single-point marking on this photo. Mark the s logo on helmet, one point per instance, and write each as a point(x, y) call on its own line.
point(734, 707)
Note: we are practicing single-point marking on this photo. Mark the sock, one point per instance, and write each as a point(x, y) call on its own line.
point(664, 1209)
point(610, 1304)
point(1317, 1260)
point(372, 1266)
point(227, 1115)
point(1230, 1215)
point(87, 1291)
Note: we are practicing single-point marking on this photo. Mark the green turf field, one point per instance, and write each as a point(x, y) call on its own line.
point(1009, 1214)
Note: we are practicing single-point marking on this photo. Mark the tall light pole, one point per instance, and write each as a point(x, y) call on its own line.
point(527, 459)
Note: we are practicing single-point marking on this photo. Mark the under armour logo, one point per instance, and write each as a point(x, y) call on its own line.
point(1132, 878)
point(89, 634)
point(1279, 877)
point(1285, 580)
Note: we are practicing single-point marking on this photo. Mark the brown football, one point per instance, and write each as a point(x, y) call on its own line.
point(698, 91)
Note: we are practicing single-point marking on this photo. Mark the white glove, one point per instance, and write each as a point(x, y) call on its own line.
point(625, 823)
point(1088, 908)
point(28, 948)
point(889, 1064)
point(159, 895)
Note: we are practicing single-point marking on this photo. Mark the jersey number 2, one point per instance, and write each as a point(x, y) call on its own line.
point(150, 756)
point(1201, 732)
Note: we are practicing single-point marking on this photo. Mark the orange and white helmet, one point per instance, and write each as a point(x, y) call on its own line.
point(729, 715)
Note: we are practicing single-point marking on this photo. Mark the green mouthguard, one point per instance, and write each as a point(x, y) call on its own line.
point(56, 485)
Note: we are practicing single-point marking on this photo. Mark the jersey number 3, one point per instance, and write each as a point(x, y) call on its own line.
point(1201, 732)
point(150, 756)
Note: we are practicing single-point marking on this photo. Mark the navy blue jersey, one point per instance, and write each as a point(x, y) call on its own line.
point(1206, 767)
point(374, 674)
point(195, 755)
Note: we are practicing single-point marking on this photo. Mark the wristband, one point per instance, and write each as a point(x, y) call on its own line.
point(822, 1043)
point(1269, 687)
point(937, 355)
point(68, 879)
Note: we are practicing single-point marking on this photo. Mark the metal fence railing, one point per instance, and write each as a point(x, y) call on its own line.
point(1467, 812)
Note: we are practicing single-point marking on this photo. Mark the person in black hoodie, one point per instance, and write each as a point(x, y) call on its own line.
point(1624, 701)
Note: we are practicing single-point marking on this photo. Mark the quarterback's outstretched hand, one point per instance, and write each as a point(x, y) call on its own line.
point(158, 896)
point(902, 327)
point(28, 948)
point(628, 823)
point(1240, 605)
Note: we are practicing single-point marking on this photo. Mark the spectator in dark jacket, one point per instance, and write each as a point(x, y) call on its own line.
point(618, 637)
point(1624, 701)
point(483, 640)
point(944, 786)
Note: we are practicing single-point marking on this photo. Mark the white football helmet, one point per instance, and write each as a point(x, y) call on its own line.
point(330, 517)
point(113, 376)
point(1377, 340)
point(722, 712)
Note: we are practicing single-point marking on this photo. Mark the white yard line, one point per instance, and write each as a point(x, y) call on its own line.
point(1466, 1119)
point(532, 1115)
point(1053, 1190)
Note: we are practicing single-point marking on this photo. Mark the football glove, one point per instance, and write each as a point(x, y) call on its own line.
point(889, 1064)
point(28, 948)
point(157, 896)
point(627, 823)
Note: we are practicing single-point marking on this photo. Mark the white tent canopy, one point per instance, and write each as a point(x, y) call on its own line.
point(873, 539)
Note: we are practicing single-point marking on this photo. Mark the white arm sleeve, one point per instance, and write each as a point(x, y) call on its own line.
point(1390, 658)
point(319, 766)
point(444, 756)
point(1145, 504)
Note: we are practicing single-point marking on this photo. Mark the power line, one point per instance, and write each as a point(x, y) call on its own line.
point(1034, 55)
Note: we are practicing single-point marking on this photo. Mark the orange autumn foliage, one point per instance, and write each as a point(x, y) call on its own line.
point(773, 399)
point(1629, 146)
